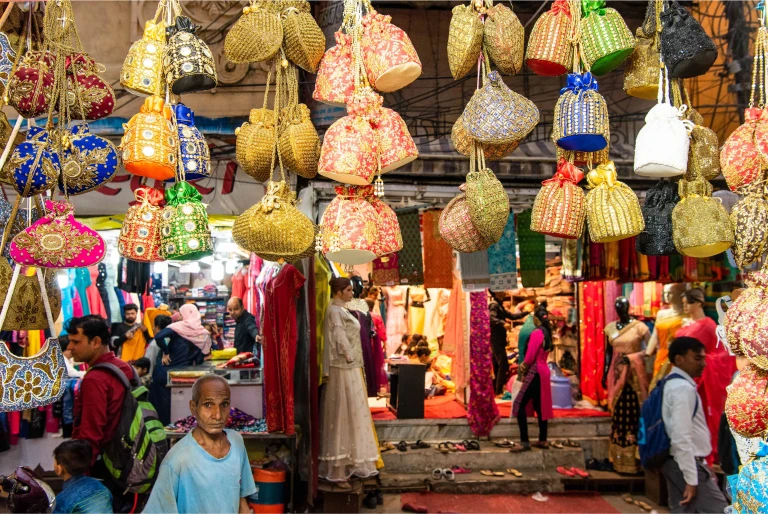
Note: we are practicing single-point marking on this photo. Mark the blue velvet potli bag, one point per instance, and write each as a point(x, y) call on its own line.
point(195, 158)
point(34, 165)
point(88, 161)
point(581, 116)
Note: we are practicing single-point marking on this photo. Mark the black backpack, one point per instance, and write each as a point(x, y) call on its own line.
point(139, 444)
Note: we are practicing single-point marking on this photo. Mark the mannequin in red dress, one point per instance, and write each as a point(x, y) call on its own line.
point(720, 365)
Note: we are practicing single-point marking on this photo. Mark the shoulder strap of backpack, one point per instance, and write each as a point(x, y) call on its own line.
point(117, 372)
point(696, 408)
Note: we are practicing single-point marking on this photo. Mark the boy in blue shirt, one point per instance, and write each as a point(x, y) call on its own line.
point(80, 493)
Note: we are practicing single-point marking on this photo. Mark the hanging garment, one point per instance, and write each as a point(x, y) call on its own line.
point(409, 258)
point(611, 291)
point(251, 300)
point(483, 413)
point(279, 345)
point(101, 285)
point(396, 325)
point(417, 298)
point(502, 259)
point(435, 311)
point(133, 277)
point(627, 389)
point(532, 255)
point(591, 314)
point(369, 362)
point(238, 283)
point(82, 282)
point(93, 295)
point(437, 253)
point(386, 270)
point(717, 374)
point(475, 274)
point(322, 300)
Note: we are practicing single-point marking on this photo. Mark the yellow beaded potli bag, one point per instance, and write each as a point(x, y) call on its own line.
point(465, 40)
point(700, 224)
point(613, 211)
point(256, 36)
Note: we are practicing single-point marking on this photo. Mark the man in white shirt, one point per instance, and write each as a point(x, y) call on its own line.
point(691, 483)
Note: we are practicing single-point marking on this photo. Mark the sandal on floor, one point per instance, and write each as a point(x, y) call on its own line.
point(471, 445)
point(443, 447)
point(419, 445)
point(451, 446)
point(580, 472)
point(517, 448)
point(565, 471)
point(557, 445)
point(628, 499)
point(460, 447)
point(572, 443)
point(486, 472)
point(402, 446)
point(513, 471)
point(643, 505)
point(460, 471)
point(498, 473)
point(386, 446)
point(505, 443)
point(541, 444)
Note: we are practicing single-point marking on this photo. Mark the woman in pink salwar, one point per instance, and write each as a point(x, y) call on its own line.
point(536, 388)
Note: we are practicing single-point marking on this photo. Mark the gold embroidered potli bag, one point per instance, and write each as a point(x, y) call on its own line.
point(298, 141)
point(256, 139)
point(503, 39)
point(700, 224)
point(456, 227)
point(465, 40)
point(256, 36)
point(613, 211)
point(487, 200)
point(641, 75)
point(749, 219)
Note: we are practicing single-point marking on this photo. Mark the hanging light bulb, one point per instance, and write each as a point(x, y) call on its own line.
point(217, 271)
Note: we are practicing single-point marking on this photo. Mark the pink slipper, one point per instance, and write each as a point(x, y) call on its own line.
point(458, 470)
point(580, 472)
point(565, 471)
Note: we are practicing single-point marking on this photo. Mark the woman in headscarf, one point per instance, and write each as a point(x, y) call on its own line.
point(183, 343)
point(534, 373)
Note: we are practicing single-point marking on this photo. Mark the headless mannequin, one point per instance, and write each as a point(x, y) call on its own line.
point(622, 310)
point(672, 296)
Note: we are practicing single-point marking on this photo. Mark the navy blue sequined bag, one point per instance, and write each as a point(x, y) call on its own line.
point(88, 161)
point(34, 164)
point(195, 159)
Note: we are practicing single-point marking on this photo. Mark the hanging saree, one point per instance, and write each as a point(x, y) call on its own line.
point(474, 271)
point(611, 291)
point(532, 252)
point(610, 262)
point(454, 320)
point(502, 259)
point(322, 299)
point(410, 261)
point(437, 253)
point(483, 413)
point(386, 270)
point(572, 254)
point(627, 389)
point(591, 313)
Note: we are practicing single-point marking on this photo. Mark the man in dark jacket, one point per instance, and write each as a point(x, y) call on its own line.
point(246, 333)
point(500, 318)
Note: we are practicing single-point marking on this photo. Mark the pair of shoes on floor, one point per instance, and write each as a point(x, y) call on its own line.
point(599, 465)
point(572, 472)
point(638, 503)
point(372, 499)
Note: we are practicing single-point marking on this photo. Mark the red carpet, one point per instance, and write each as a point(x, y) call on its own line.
point(446, 407)
point(439, 502)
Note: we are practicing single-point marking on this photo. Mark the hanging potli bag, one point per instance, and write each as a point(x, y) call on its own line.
point(746, 406)
point(560, 206)
point(335, 82)
point(304, 41)
point(613, 211)
point(581, 116)
point(30, 87)
point(349, 227)
point(464, 143)
point(185, 234)
point(24, 312)
point(299, 143)
point(188, 62)
point(641, 74)
point(465, 40)
point(504, 38)
point(34, 164)
point(497, 115)
point(92, 97)
point(660, 201)
point(396, 146)
point(390, 59)
point(12, 223)
point(456, 227)
point(88, 161)
point(256, 140)
point(388, 237)
point(661, 147)
point(58, 241)
point(686, 48)
point(606, 41)
point(195, 158)
point(142, 72)
point(550, 48)
point(487, 200)
point(275, 228)
point(745, 321)
point(749, 219)
point(704, 153)
point(700, 224)
point(149, 145)
point(740, 160)
point(256, 36)
point(749, 489)
point(140, 235)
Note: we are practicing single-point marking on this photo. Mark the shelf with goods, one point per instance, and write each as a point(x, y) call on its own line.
point(213, 309)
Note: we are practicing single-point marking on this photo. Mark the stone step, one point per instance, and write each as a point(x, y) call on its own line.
point(473, 483)
point(488, 457)
point(458, 429)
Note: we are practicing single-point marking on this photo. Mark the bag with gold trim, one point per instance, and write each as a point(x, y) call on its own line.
point(142, 72)
point(304, 41)
point(149, 145)
point(188, 62)
point(88, 161)
point(749, 219)
point(504, 39)
point(700, 223)
point(257, 140)
point(140, 235)
point(613, 210)
point(24, 312)
point(184, 231)
point(605, 38)
point(581, 116)
point(641, 74)
point(390, 59)
point(487, 200)
point(560, 206)
point(550, 52)
point(746, 406)
point(34, 164)
point(38, 380)
point(457, 229)
point(465, 40)
point(349, 227)
point(256, 36)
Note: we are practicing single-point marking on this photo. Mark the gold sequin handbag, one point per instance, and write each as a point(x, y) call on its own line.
point(304, 41)
point(487, 200)
point(465, 40)
point(463, 143)
point(606, 41)
point(188, 62)
point(613, 210)
point(700, 224)
point(24, 312)
point(298, 142)
point(550, 51)
point(142, 72)
point(560, 206)
point(504, 38)
point(456, 227)
point(256, 36)
point(256, 140)
point(275, 228)
point(749, 219)
point(704, 153)
point(38, 380)
point(641, 74)
point(581, 116)
point(496, 115)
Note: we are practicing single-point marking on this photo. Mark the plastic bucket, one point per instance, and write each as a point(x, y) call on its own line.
point(561, 393)
point(270, 491)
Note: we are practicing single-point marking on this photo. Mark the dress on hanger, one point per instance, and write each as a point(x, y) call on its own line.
point(95, 302)
point(418, 297)
point(82, 283)
point(238, 283)
point(396, 326)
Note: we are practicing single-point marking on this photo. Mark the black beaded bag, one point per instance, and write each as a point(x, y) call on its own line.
point(656, 239)
point(686, 49)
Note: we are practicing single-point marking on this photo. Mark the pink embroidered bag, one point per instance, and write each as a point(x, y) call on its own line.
point(58, 241)
point(335, 82)
point(390, 59)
